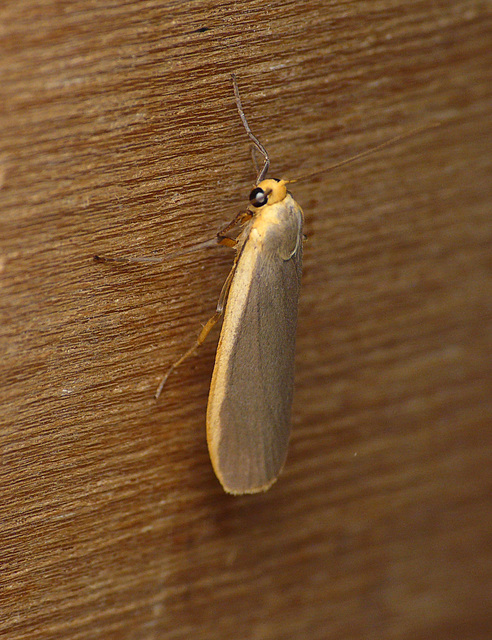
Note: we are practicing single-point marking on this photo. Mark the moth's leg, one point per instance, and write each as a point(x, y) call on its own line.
point(203, 333)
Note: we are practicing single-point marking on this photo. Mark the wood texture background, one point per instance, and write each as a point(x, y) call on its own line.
point(119, 136)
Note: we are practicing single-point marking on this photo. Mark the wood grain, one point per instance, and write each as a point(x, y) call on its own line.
point(120, 137)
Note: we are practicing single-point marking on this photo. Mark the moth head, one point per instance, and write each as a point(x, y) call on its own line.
point(268, 192)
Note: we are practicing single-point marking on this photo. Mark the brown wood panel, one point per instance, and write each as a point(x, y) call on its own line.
point(120, 136)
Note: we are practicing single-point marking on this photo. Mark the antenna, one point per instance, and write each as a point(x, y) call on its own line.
point(368, 152)
point(253, 138)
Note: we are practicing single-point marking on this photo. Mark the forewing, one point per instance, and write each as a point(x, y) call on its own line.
point(248, 417)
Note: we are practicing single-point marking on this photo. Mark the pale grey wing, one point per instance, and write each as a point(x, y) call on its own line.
point(257, 371)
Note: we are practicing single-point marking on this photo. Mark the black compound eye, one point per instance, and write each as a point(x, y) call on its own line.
point(258, 197)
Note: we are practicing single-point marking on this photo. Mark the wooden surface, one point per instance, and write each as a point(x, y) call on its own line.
point(120, 136)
